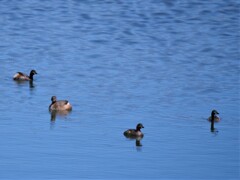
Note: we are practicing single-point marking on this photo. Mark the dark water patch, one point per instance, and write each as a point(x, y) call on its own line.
point(128, 32)
point(86, 16)
point(100, 41)
point(205, 12)
point(161, 14)
point(207, 49)
point(194, 19)
point(229, 9)
point(94, 56)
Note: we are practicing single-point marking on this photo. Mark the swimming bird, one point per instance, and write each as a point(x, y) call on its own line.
point(19, 76)
point(214, 118)
point(60, 105)
point(134, 133)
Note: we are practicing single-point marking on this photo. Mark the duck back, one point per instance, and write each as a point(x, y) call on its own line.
point(60, 105)
point(21, 77)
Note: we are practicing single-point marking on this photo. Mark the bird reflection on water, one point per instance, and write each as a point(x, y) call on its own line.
point(214, 131)
point(137, 142)
point(55, 114)
point(31, 83)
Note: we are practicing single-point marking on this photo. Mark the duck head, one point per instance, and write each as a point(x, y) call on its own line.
point(54, 99)
point(139, 127)
point(33, 72)
point(214, 113)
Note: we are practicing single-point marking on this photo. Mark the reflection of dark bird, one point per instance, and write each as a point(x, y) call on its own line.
point(19, 76)
point(214, 118)
point(138, 141)
point(61, 105)
point(31, 84)
point(55, 113)
point(134, 133)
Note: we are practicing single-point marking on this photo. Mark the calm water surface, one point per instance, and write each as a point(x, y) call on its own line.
point(165, 64)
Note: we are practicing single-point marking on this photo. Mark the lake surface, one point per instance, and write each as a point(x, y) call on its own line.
point(165, 64)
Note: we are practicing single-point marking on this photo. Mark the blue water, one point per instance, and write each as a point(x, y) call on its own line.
point(165, 64)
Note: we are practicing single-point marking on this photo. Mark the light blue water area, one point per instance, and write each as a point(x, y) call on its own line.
point(165, 64)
